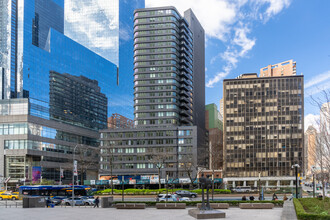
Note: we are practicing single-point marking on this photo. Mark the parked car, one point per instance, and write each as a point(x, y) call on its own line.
point(57, 200)
point(8, 195)
point(171, 198)
point(184, 193)
point(87, 200)
point(77, 201)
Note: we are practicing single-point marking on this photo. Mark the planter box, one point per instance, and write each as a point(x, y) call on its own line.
point(256, 205)
point(216, 205)
point(130, 205)
point(170, 205)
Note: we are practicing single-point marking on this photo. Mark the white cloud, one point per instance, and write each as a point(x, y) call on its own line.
point(311, 119)
point(317, 84)
point(275, 6)
point(228, 21)
point(318, 79)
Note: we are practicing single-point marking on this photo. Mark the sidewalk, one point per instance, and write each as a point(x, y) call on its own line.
point(289, 212)
point(121, 214)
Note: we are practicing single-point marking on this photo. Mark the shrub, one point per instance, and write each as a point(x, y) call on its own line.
point(303, 215)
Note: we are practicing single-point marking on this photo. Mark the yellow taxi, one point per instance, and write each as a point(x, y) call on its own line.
point(8, 195)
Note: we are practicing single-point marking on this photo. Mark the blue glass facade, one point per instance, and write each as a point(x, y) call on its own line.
point(106, 28)
point(42, 47)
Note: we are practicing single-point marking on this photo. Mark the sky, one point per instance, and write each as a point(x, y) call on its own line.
point(243, 36)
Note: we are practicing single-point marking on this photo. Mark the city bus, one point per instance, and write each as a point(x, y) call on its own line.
point(53, 190)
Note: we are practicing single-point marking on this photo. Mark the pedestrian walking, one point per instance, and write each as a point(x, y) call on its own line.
point(96, 202)
point(244, 198)
point(252, 198)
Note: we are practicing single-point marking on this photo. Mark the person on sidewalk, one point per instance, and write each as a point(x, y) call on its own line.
point(244, 198)
point(275, 197)
point(251, 198)
point(96, 202)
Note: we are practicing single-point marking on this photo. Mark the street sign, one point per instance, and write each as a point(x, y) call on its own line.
point(75, 169)
point(7, 180)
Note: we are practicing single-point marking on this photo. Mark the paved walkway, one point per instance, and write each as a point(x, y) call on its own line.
point(289, 213)
point(115, 214)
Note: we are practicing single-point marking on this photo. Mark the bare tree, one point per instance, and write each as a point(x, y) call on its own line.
point(191, 168)
point(322, 149)
point(159, 161)
point(87, 159)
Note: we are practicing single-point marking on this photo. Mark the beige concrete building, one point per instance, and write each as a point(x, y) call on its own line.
point(310, 147)
point(286, 68)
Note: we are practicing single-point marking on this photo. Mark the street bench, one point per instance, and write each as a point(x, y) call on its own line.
point(256, 205)
point(130, 205)
point(170, 205)
point(215, 205)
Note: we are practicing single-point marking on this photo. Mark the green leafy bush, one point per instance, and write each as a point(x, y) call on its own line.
point(154, 191)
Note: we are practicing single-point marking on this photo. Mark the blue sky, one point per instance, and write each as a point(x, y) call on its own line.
point(244, 36)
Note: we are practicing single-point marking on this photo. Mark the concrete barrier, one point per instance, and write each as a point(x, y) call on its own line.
point(34, 202)
point(170, 205)
point(106, 202)
point(216, 205)
point(256, 205)
point(130, 206)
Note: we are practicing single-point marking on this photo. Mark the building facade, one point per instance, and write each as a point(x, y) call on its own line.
point(119, 121)
point(164, 59)
point(311, 136)
point(263, 121)
point(60, 83)
point(286, 68)
point(106, 28)
point(34, 148)
point(163, 68)
point(214, 126)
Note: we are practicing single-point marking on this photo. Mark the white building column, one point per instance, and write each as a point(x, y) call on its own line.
point(244, 183)
point(291, 182)
point(234, 184)
point(278, 183)
point(267, 183)
point(255, 184)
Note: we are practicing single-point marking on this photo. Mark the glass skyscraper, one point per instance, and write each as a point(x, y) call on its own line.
point(106, 28)
point(43, 74)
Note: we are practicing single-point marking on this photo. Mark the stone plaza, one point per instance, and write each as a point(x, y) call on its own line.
point(115, 214)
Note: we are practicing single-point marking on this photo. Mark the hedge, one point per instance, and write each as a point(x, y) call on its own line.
point(194, 203)
point(303, 215)
point(153, 191)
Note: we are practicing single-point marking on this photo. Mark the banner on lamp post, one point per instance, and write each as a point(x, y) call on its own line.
point(75, 169)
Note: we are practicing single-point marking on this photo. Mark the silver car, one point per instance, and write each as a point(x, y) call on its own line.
point(87, 200)
point(77, 201)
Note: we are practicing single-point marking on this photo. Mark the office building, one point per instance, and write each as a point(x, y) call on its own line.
point(311, 136)
point(286, 68)
point(165, 125)
point(106, 28)
point(214, 126)
point(51, 82)
point(119, 121)
point(263, 129)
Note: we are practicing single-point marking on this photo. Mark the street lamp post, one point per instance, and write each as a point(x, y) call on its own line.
point(259, 187)
point(166, 187)
point(313, 172)
point(296, 166)
point(212, 186)
point(73, 174)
